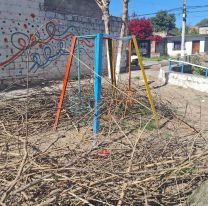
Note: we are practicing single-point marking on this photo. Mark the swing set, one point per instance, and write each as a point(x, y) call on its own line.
point(131, 40)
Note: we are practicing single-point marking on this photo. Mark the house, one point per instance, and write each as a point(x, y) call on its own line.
point(159, 48)
point(194, 44)
point(203, 30)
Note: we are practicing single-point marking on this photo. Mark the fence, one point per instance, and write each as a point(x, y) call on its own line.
point(183, 63)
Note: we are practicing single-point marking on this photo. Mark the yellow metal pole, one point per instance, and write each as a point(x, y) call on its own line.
point(146, 82)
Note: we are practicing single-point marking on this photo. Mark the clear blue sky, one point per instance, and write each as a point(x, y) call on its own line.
point(152, 6)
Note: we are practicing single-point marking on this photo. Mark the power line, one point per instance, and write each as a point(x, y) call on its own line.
point(174, 10)
point(201, 6)
point(197, 11)
point(149, 14)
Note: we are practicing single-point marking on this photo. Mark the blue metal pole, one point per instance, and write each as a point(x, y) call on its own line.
point(97, 84)
point(169, 65)
point(182, 68)
point(206, 74)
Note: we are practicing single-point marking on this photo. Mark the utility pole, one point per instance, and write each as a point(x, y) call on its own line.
point(183, 30)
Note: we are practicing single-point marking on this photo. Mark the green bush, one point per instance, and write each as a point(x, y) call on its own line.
point(196, 70)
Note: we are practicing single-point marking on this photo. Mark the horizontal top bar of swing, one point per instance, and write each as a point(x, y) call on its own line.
point(117, 37)
point(105, 36)
point(87, 36)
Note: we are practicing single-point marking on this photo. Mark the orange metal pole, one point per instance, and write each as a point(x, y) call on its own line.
point(68, 68)
point(130, 66)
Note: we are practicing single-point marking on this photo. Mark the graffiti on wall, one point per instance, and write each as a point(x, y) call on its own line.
point(44, 46)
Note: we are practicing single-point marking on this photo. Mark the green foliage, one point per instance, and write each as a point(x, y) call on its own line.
point(203, 22)
point(163, 21)
point(195, 60)
point(193, 31)
point(175, 32)
point(186, 170)
point(196, 70)
point(150, 126)
point(186, 30)
point(189, 31)
point(145, 111)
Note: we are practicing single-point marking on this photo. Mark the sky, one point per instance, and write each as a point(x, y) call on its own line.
point(141, 7)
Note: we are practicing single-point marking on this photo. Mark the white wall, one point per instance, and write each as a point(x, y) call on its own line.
point(196, 82)
point(202, 46)
point(188, 46)
point(172, 52)
point(203, 30)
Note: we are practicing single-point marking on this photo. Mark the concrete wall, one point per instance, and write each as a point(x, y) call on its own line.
point(203, 30)
point(196, 82)
point(48, 34)
point(87, 8)
point(188, 45)
point(206, 44)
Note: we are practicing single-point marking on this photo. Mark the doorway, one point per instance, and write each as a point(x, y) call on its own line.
point(195, 47)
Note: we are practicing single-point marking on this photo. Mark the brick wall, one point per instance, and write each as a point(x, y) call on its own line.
point(87, 8)
point(48, 34)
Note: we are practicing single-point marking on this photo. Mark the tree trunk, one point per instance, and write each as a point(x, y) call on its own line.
point(120, 44)
point(106, 18)
point(104, 6)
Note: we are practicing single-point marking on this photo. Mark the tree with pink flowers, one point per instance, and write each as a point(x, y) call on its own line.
point(143, 29)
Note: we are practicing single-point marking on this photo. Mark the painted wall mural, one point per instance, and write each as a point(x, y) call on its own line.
point(52, 40)
point(40, 39)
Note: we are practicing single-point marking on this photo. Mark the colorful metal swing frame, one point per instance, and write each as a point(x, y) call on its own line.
point(98, 73)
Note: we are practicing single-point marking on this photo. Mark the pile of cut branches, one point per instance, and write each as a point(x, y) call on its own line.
point(133, 163)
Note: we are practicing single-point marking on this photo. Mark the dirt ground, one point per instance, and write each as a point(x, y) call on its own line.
point(189, 103)
point(132, 163)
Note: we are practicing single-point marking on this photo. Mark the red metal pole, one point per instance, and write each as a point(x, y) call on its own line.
point(68, 68)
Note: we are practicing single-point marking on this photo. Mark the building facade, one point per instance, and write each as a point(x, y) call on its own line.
point(193, 44)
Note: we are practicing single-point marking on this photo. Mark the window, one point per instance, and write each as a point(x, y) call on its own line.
point(177, 45)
